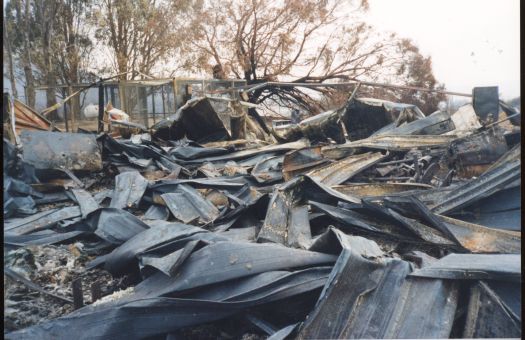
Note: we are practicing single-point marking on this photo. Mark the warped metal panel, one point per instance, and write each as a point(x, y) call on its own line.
point(474, 190)
point(488, 316)
point(505, 267)
point(344, 169)
point(58, 150)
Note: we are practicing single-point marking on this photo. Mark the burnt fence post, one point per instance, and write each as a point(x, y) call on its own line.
point(100, 106)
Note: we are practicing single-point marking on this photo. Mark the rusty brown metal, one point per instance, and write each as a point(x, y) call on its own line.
point(55, 184)
point(378, 189)
point(126, 129)
point(480, 239)
point(27, 116)
point(394, 143)
point(301, 161)
point(341, 171)
point(473, 170)
point(28, 119)
point(226, 144)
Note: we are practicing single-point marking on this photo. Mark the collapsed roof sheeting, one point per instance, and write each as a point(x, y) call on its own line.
point(206, 119)
point(309, 239)
point(28, 119)
point(364, 116)
point(506, 267)
point(435, 124)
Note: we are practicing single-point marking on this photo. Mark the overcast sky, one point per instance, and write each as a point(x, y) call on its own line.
point(472, 42)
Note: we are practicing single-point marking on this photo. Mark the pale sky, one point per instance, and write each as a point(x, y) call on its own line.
point(471, 42)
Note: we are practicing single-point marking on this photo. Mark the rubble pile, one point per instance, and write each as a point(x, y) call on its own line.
point(371, 221)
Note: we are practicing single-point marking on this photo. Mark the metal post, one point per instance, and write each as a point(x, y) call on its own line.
point(153, 103)
point(113, 99)
point(175, 92)
point(143, 97)
point(78, 297)
point(106, 94)
point(122, 97)
point(96, 293)
point(163, 103)
point(100, 106)
point(72, 106)
point(65, 116)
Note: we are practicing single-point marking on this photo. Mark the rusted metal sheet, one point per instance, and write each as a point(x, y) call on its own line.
point(276, 222)
point(247, 153)
point(268, 170)
point(476, 189)
point(301, 161)
point(378, 189)
point(227, 144)
point(58, 150)
point(341, 171)
point(480, 239)
point(394, 143)
point(28, 119)
point(372, 222)
point(55, 184)
point(126, 129)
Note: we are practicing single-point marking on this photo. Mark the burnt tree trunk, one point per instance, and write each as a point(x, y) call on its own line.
point(10, 62)
point(26, 60)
